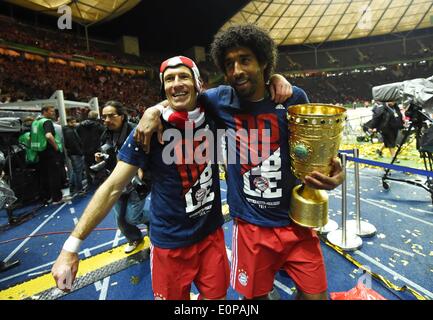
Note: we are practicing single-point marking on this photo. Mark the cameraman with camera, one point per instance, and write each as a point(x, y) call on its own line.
point(129, 209)
point(388, 120)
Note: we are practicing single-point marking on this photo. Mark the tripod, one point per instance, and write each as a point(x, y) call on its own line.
point(418, 119)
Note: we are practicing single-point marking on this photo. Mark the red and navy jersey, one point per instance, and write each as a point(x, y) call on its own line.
point(259, 179)
point(185, 205)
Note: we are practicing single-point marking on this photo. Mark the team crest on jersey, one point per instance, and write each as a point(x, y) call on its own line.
point(200, 194)
point(243, 277)
point(199, 197)
point(261, 183)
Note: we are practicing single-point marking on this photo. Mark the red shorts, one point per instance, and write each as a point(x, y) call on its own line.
point(204, 263)
point(258, 253)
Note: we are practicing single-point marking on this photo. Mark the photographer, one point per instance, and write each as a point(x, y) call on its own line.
point(129, 208)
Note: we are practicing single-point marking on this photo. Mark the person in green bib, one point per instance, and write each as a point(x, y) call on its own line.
point(45, 141)
point(24, 140)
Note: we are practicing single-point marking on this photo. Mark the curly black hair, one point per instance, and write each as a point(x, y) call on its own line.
point(249, 36)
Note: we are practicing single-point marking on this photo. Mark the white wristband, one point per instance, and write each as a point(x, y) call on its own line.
point(72, 244)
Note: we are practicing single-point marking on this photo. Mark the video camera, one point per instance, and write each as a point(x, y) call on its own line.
point(7, 196)
point(107, 151)
point(415, 93)
point(2, 161)
point(141, 186)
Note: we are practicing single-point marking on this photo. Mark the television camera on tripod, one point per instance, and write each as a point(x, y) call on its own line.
point(417, 96)
point(7, 198)
point(21, 178)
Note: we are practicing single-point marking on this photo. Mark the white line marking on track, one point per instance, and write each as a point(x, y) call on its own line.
point(52, 262)
point(373, 202)
point(38, 273)
point(86, 252)
point(395, 274)
point(283, 287)
point(397, 250)
point(106, 281)
point(34, 232)
point(420, 210)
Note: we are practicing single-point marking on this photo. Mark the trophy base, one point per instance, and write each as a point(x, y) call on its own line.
point(366, 229)
point(327, 228)
point(349, 243)
point(309, 207)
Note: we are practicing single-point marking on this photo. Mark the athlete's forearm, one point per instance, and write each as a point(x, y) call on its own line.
point(97, 209)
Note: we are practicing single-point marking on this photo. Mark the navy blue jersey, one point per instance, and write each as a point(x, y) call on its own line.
point(185, 205)
point(259, 183)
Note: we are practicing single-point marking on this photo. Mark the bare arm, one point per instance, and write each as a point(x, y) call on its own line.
point(51, 140)
point(65, 268)
point(149, 123)
point(280, 88)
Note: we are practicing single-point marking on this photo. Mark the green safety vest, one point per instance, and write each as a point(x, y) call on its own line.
point(31, 155)
point(37, 136)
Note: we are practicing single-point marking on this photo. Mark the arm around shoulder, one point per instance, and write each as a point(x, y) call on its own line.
point(149, 123)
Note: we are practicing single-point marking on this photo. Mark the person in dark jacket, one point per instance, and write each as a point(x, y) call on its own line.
point(129, 209)
point(90, 132)
point(388, 120)
point(74, 151)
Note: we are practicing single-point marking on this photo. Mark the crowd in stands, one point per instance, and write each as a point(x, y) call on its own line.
point(67, 42)
point(387, 51)
point(22, 79)
point(349, 87)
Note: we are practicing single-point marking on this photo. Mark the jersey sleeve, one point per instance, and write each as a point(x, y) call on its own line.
point(217, 98)
point(132, 153)
point(208, 101)
point(299, 96)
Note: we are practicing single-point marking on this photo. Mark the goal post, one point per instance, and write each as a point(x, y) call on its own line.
point(57, 100)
